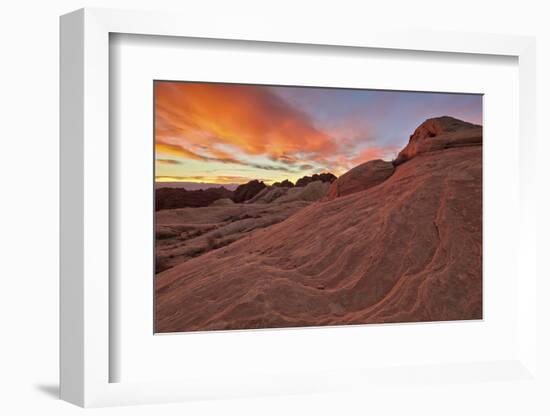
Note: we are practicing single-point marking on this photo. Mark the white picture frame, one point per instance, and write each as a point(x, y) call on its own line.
point(85, 213)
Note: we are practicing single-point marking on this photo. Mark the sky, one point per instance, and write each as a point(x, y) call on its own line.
point(233, 133)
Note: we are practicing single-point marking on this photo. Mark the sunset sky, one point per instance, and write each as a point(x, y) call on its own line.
point(231, 133)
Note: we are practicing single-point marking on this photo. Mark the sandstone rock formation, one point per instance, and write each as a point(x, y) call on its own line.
point(268, 195)
point(360, 178)
point(247, 191)
point(284, 184)
point(407, 249)
point(438, 134)
point(183, 234)
point(323, 177)
point(222, 202)
point(170, 198)
point(313, 191)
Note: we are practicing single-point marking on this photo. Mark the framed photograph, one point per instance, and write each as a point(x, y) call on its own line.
point(284, 206)
point(271, 212)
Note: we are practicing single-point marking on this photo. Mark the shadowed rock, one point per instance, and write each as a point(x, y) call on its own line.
point(284, 184)
point(170, 198)
point(360, 178)
point(247, 191)
point(222, 202)
point(313, 191)
point(268, 195)
point(323, 177)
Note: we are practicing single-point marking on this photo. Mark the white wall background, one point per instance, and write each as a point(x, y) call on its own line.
point(29, 81)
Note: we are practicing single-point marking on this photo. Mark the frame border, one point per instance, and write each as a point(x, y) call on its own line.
point(84, 178)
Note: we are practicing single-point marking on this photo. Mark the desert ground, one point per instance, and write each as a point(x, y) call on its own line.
point(388, 241)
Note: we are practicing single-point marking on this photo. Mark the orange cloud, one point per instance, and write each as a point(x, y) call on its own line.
point(168, 161)
point(223, 179)
point(251, 119)
point(372, 153)
point(176, 150)
point(220, 156)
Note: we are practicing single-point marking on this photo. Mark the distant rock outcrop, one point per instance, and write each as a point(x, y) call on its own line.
point(247, 191)
point(438, 134)
point(268, 195)
point(323, 177)
point(312, 192)
point(222, 202)
point(361, 177)
point(170, 198)
point(284, 184)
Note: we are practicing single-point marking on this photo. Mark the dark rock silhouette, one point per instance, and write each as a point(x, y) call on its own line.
point(170, 198)
point(284, 184)
point(323, 177)
point(247, 191)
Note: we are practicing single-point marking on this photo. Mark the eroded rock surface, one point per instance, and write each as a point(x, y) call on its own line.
point(406, 249)
point(439, 134)
point(360, 178)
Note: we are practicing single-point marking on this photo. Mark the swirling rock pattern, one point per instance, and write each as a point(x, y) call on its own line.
point(407, 249)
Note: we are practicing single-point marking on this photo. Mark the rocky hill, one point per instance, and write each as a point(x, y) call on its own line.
point(360, 178)
point(404, 244)
point(247, 191)
point(170, 198)
point(439, 134)
point(323, 177)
